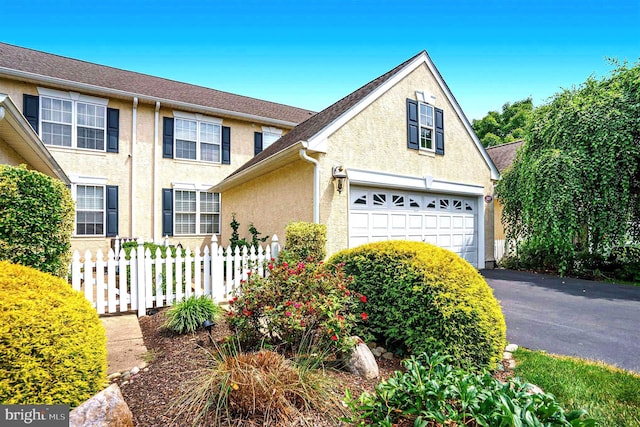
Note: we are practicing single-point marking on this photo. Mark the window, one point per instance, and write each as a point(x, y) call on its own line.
point(196, 212)
point(96, 207)
point(72, 120)
point(197, 140)
point(426, 126)
point(90, 210)
point(269, 138)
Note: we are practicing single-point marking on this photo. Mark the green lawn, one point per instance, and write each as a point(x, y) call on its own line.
point(610, 395)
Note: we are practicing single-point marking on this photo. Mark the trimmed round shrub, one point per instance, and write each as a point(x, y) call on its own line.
point(423, 298)
point(189, 314)
point(306, 240)
point(37, 220)
point(52, 343)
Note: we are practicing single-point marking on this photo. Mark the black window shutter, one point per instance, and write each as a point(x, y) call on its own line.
point(167, 212)
point(226, 145)
point(167, 137)
point(112, 210)
point(31, 109)
point(439, 131)
point(113, 129)
point(257, 143)
point(412, 125)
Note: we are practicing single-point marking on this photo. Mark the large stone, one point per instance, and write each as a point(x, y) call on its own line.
point(105, 409)
point(362, 363)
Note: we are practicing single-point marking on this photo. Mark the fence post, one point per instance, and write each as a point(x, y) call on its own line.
point(275, 246)
point(116, 246)
point(142, 300)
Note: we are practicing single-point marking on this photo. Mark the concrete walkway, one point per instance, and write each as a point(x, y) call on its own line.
point(125, 347)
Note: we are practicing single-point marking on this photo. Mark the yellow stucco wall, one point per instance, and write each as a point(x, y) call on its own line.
point(8, 155)
point(270, 202)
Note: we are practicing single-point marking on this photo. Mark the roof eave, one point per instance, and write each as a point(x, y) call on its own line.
point(142, 97)
point(33, 150)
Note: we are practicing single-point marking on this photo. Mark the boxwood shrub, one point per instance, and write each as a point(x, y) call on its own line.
point(52, 343)
point(37, 220)
point(423, 298)
point(306, 240)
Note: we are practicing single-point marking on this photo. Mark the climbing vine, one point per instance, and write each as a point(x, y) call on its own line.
point(574, 189)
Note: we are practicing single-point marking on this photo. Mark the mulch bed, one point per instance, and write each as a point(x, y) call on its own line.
point(175, 360)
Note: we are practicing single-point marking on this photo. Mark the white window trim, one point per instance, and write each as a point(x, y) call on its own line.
point(198, 118)
point(198, 188)
point(432, 127)
point(77, 180)
point(74, 97)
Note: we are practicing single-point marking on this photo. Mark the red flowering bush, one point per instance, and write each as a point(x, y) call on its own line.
point(297, 304)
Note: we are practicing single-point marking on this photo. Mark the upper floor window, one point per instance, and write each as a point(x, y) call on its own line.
point(426, 126)
point(262, 140)
point(197, 137)
point(68, 119)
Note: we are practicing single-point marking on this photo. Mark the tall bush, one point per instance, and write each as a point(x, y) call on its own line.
point(306, 240)
point(423, 298)
point(36, 221)
point(52, 343)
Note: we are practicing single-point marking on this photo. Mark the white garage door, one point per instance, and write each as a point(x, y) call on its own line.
point(450, 222)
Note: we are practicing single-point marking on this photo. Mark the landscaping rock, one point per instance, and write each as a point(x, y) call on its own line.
point(105, 409)
point(534, 389)
point(135, 370)
point(507, 355)
point(511, 348)
point(362, 363)
point(378, 351)
point(387, 355)
point(512, 364)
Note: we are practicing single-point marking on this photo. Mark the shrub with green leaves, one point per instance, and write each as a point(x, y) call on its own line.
point(52, 343)
point(306, 240)
point(432, 390)
point(296, 304)
point(423, 298)
point(37, 220)
point(189, 314)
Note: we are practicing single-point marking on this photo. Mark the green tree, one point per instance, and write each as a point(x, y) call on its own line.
point(511, 124)
point(575, 184)
point(36, 220)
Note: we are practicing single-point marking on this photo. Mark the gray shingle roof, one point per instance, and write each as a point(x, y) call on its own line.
point(318, 122)
point(59, 67)
point(503, 155)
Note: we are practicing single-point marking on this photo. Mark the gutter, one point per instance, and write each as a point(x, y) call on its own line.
point(316, 181)
point(145, 98)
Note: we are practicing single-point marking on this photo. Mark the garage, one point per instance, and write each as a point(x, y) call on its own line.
point(445, 220)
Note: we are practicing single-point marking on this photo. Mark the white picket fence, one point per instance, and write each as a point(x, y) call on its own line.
point(117, 284)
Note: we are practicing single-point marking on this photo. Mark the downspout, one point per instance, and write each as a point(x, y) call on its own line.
point(134, 123)
point(154, 217)
point(316, 183)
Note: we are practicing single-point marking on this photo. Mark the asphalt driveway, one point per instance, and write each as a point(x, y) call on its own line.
point(573, 317)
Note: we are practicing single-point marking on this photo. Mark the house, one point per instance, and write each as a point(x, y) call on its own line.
point(502, 156)
point(139, 152)
point(396, 159)
point(20, 145)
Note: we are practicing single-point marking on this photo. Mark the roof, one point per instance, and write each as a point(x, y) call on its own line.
point(18, 134)
point(342, 110)
point(36, 66)
point(503, 155)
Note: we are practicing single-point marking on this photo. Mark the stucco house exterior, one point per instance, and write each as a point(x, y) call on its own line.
point(20, 145)
point(396, 159)
point(139, 152)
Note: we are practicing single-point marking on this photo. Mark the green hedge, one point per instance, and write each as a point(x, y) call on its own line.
point(37, 220)
point(423, 298)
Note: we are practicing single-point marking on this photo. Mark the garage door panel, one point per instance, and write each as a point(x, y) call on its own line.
point(380, 221)
point(358, 240)
point(398, 221)
point(430, 222)
point(359, 221)
point(458, 222)
point(415, 222)
point(444, 222)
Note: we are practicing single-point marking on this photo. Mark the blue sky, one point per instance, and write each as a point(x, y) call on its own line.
point(312, 53)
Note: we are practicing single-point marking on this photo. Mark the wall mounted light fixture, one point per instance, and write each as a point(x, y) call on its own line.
point(340, 175)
